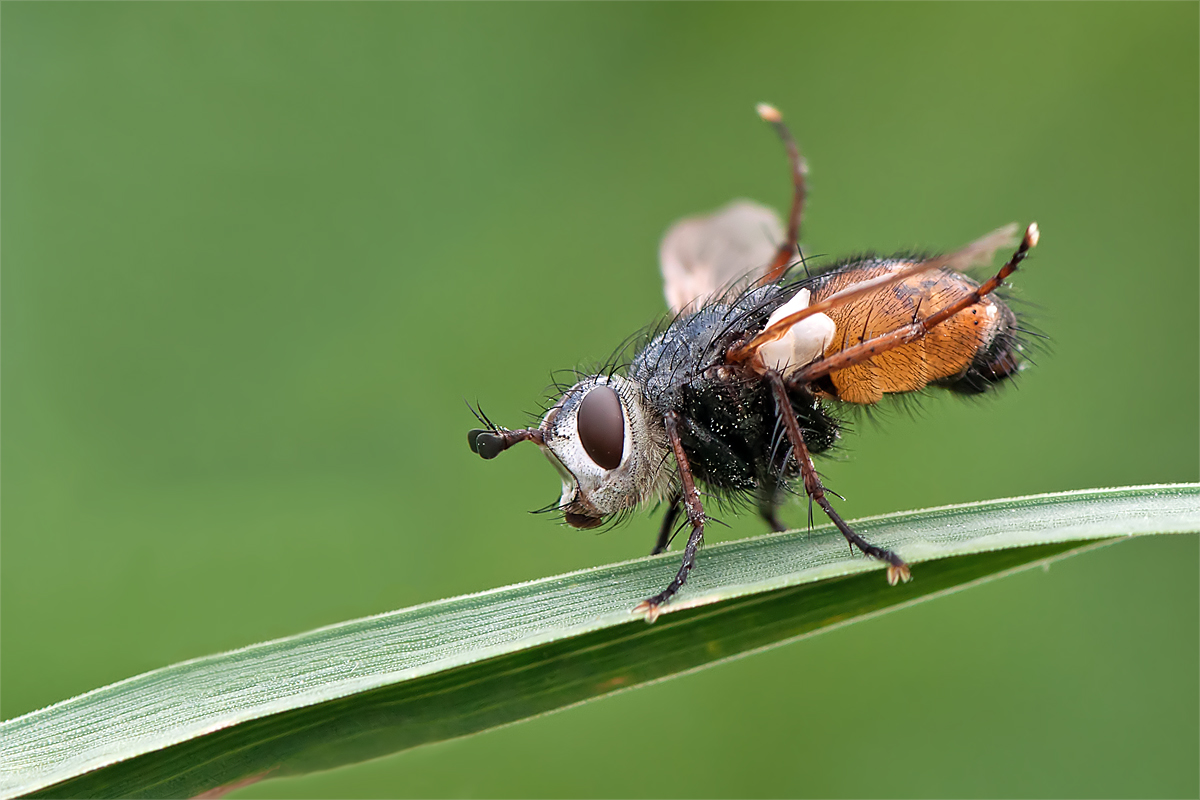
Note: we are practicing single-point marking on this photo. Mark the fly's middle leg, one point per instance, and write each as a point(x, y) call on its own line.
point(695, 515)
point(870, 348)
point(768, 509)
point(897, 570)
point(666, 532)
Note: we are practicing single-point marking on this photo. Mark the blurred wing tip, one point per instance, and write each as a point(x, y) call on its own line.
point(982, 250)
point(1009, 230)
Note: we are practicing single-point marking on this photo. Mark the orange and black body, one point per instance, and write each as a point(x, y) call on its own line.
point(739, 388)
point(730, 427)
point(969, 352)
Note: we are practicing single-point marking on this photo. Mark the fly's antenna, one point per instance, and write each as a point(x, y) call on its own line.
point(799, 191)
point(489, 444)
point(493, 440)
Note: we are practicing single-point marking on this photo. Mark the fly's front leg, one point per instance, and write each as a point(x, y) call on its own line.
point(897, 570)
point(668, 525)
point(695, 514)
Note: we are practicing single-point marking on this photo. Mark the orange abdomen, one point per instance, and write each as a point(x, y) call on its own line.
point(946, 351)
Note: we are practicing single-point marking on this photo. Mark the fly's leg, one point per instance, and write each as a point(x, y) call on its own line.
point(960, 259)
point(768, 509)
point(695, 515)
point(867, 350)
point(668, 525)
point(897, 570)
point(783, 257)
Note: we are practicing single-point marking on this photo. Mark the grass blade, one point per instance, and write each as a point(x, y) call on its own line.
point(375, 686)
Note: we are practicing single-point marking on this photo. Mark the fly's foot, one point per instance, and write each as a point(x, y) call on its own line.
point(898, 573)
point(651, 608)
point(897, 570)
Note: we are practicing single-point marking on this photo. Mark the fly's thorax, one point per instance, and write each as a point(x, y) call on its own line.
point(609, 446)
point(694, 343)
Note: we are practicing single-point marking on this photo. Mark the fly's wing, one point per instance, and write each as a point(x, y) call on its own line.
point(982, 251)
point(702, 257)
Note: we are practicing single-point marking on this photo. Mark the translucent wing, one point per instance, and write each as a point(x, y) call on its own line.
point(704, 256)
point(982, 251)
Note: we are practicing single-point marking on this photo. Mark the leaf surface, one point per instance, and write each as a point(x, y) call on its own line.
point(374, 686)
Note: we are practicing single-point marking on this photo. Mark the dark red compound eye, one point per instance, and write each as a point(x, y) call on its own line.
point(602, 426)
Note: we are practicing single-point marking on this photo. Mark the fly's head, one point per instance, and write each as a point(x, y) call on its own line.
point(608, 446)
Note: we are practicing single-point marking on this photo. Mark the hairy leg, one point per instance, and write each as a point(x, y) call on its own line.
point(695, 515)
point(768, 509)
point(897, 570)
point(668, 525)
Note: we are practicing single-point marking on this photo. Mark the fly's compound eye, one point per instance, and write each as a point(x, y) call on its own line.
point(602, 426)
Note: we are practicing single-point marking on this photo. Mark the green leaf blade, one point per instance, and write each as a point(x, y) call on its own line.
point(374, 686)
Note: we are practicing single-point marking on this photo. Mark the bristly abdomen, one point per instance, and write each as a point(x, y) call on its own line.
point(968, 353)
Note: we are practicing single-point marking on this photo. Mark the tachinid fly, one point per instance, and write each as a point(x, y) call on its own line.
point(738, 388)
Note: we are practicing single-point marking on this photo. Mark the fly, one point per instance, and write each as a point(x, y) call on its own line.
point(739, 387)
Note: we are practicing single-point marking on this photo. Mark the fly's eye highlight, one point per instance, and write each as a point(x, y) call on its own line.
point(602, 426)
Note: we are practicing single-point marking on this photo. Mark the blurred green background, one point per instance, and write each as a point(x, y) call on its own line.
point(255, 257)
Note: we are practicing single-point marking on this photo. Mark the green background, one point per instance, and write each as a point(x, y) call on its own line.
point(256, 256)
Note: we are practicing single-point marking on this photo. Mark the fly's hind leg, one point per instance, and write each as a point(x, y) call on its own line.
point(695, 515)
point(788, 250)
point(771, 516)
point(665, 533)
point(897, 570)
point(768, 509)
point(866, 350)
